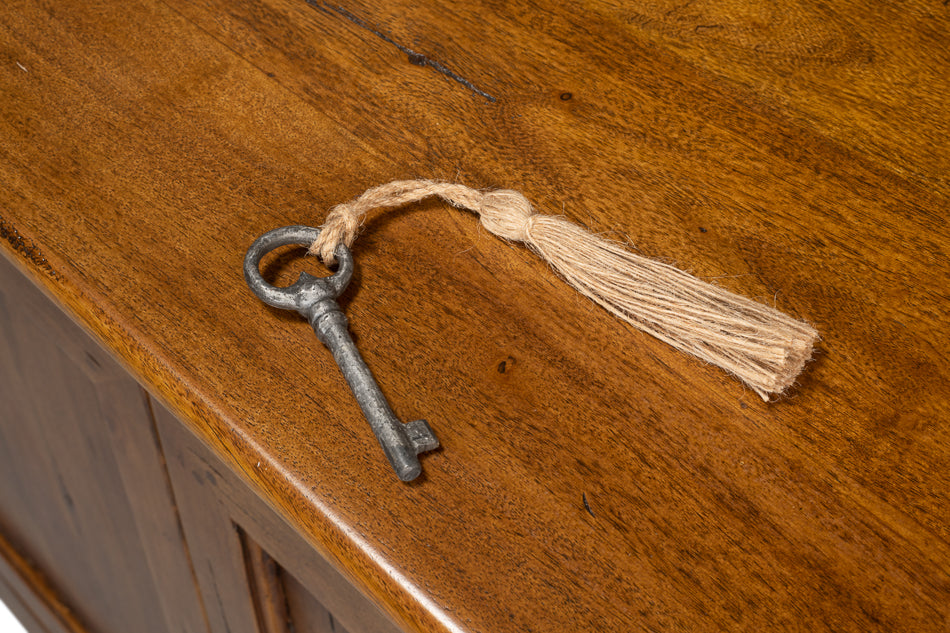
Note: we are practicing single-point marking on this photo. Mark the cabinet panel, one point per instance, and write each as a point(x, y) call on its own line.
point(283, 603)
point(305, 611)
point(257, 574)
point(84, 499)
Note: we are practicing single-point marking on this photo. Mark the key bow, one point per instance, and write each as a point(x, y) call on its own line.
point(307, 290)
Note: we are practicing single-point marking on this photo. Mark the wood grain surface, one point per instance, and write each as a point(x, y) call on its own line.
point(590, 478)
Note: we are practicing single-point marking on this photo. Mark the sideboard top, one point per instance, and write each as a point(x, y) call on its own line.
point(590, 478)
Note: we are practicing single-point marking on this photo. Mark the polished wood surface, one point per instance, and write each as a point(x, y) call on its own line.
point(590, 478)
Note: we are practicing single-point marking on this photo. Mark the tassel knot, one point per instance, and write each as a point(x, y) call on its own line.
point(507, 214)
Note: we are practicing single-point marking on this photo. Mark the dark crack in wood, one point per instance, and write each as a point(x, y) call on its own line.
point(415, 58)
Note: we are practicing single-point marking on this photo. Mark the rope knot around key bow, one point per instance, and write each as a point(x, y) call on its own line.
point(504, 212)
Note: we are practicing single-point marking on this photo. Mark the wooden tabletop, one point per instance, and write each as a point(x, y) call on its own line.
point(590, 478)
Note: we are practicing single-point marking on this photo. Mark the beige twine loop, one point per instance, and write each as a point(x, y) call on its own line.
point(763, 347)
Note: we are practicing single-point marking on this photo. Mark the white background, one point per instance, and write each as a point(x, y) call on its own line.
point(9, 624)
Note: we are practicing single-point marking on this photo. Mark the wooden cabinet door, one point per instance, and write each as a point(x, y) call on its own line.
point(255, 572)
point(89, 536)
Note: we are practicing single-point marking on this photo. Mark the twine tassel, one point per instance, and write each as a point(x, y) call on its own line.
point(760, 345)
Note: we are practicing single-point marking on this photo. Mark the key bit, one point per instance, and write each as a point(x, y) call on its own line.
point(315, 299)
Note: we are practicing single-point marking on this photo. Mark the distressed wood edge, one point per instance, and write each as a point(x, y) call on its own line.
point(267, 590)
point(30, 596)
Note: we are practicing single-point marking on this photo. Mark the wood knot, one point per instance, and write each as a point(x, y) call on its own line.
point(507, 214)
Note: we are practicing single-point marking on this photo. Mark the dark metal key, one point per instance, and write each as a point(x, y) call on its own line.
point(315, 299)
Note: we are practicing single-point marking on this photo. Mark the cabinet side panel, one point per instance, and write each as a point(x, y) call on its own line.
point(64, 491)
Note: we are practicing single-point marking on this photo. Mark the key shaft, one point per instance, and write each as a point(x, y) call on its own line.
point(400, 442)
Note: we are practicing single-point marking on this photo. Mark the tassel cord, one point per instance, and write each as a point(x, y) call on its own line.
point(757, 343)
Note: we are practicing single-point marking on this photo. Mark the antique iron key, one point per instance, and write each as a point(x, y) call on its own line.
point(315, 299)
